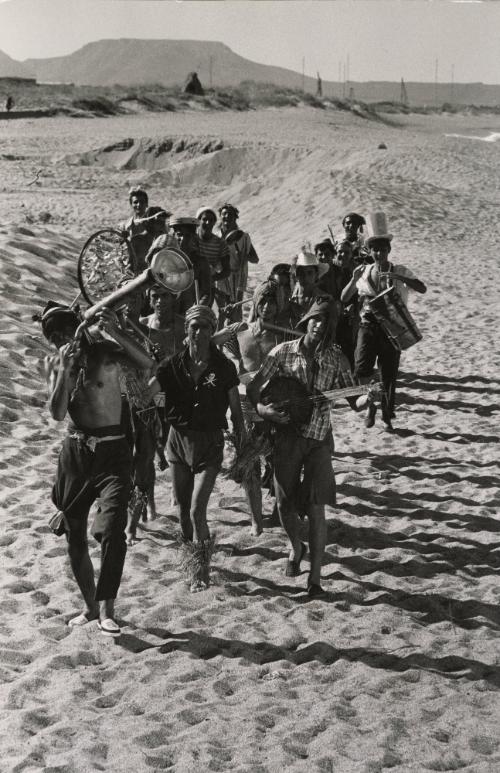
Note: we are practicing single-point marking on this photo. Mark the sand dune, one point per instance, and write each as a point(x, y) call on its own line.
point(398, 667)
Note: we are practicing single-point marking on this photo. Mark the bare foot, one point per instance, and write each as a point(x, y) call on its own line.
point(256, 528)
point(132, 540)
point(152, 515)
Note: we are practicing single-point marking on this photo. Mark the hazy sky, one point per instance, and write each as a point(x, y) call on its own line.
point(384, 39)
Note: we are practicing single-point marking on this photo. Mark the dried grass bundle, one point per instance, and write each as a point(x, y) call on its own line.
point(194, 562)
point(246, 456)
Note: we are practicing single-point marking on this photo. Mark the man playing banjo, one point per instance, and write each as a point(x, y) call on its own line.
point(372, 342)
point(306, 447)
point(95, 459)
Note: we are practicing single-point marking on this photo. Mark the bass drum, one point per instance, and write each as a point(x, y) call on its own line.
point(289, 394)
point(395, 319)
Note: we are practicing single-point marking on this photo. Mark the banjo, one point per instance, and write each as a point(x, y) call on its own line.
point(289, 394)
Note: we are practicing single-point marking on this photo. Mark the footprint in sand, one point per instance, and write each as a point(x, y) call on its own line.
point(152, 740)
point(13, 657)
point(191, 717)
point(22, 586)
point(163, 761)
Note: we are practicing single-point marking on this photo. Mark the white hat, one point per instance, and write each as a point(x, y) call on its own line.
point(307, 259)
point(192, 222)
point(376, 227)
point(201, 210)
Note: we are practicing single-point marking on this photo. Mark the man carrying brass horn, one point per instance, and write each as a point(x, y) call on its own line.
point(95, 459)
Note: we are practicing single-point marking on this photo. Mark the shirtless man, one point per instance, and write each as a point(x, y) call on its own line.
point(248, 344)
point(95, 459)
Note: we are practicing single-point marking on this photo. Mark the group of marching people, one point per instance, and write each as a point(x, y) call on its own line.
point(166, 386)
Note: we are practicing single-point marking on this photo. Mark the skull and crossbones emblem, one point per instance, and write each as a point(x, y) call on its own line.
point(209, 380)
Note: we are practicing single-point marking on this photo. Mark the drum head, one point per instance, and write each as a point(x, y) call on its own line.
point(172, 269)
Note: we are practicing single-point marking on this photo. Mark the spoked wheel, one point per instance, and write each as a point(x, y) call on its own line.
point(105, 262)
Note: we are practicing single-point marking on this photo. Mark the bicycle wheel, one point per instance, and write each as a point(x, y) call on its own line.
point(105, 261)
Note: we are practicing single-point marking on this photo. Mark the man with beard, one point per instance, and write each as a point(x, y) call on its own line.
point(318, 365)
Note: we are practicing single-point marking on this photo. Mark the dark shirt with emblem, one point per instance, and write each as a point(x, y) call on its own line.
point(202, 406)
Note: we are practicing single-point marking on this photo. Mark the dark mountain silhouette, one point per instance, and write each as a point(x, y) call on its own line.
point(168, 62)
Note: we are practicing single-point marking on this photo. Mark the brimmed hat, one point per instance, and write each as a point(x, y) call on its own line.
point(376, 228)
point(188, 222)
point(322, 306)
point(308, 260)
point(201, 210)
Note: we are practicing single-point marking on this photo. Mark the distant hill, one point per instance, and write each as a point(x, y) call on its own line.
point(9, 68)
point(131, 62)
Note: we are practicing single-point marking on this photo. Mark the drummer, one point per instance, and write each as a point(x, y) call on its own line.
point(372, 342)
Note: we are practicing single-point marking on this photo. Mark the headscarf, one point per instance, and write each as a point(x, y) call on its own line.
point(205, 313)
point(56, 316)
point(268, 289)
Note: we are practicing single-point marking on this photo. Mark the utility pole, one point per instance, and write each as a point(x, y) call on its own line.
point(404, 93)
point(436, 82)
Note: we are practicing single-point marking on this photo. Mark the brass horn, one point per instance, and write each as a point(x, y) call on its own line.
point(169, 268)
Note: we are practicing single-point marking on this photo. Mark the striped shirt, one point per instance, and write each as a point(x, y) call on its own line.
point(330, 369)
point(216, 251)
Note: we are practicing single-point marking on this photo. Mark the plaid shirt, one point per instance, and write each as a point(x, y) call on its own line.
point(330, 370)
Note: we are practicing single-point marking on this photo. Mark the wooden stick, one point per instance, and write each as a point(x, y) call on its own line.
point(279, 329)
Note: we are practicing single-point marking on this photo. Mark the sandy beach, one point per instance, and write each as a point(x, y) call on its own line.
point(398, 667)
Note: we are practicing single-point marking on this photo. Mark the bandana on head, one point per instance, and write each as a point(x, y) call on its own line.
point(56, 316)
point(266, 290)
point(201, 312)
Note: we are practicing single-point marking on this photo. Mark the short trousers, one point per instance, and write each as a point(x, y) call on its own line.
point(293, 455)
point(194, 449)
